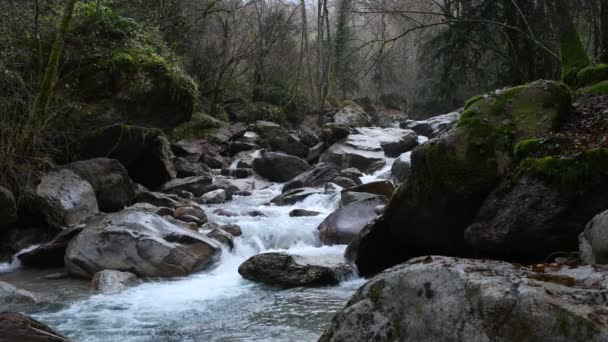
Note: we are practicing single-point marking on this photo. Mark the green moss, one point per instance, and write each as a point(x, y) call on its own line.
point(572, 53)
point(201, 126)
point(527, 148)
point(592, 75)
point(375, 291)
point(575, 173)
point(596, 89)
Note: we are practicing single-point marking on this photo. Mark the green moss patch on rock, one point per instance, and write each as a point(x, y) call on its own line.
point(600, 88)
point(592, 74)
point(124, 72)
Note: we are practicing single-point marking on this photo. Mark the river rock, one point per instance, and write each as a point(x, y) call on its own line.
point(358, 151)
point(307, 137)
point(214, 197)
point(17, 327)
point(348, 197)
point(383, 188)
point(50, 254)
point(190, 214)
point(245, 159)
point(279, 167)
point(8, 207)
point(61, 199)
point(280, 140)
point(434, 126)
point(593, 242)
point(196, 185)
point(144, 196)
point(222, 237)
point(333, 133)
point(341, 226)
point(393, 141)
point(317, 176)
point(450, 299)
point(145, 152)
point(242, 145)
point(187, 168)
point(352, 116)
point(109, 281)
point(109, 179)
point(141, 243)
point(303, 213)
point(401, 168)
point(237, 173)
point(293, 271)
point(294, 196)
point(12, 298)
point(430, 212)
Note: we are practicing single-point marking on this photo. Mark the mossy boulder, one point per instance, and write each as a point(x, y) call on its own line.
point(123, 72)
point(452, 174)
point(592, 75)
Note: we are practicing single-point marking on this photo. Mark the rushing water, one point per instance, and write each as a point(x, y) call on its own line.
point(218, 305)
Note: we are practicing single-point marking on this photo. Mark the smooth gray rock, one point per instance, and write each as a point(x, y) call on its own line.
point(13, 298)
point(280, 140)
point(383, 188)
point(451, 299)
point(109, 281)
point(352, 116)
point(196, 185)
point(293, 271)
point(50, 254)
point(110, 180)
point(360, 151)
point(294, 196)
point(138, 242)
point(593, 242)
point(214, 197)
point(279, 167)
point(341, 226)
point(393, 141)
point(17, 327)
point(348, 197)
point(402, 167)
point(303, 213)
point(434, 126)
point(222, 237)
point(317, 176)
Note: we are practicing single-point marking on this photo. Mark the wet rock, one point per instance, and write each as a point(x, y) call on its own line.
point(50, 254)
point(315, 153)
point(241, 145)
point(280, 140)
point(8, 207)
point(214, 197)
point(317, 176)
point(431, 298)
point(186, 168)
point(222, 237)
point(294, 196)
point(333, 133)
point(145, 152)
point(434, 126)
point(256, 213)
point(293, 271)
point(238, 173)
point(593, 242)
point(244, 193)
point(278, 167)
point(401, 168)
point(393, 141)
point(16, 327)
point(164, 211)
point(352, 173)
point(108, 281)
point(196, 185)
point(352, 116)
point(154, 198)
point(303, 213)
point(61, 199)
point(12, 298)
point(344, 182)
point(383, 188)
point(348, 197)
point(244, 160)
point(225, 212)
point(307, 137)
point(190, 214)
point(138, 242)
point(341, 226)
point(232, 229)
point(109, 179)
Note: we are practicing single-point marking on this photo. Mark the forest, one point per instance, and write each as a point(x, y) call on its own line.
point(292, 170)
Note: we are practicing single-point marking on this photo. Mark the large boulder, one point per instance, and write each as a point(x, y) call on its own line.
point(196, 185)
point(317, 176)
point(352, 116)
point(145, 152)
point(453, 174)
point(280, 140)
point(108, 281)
point(61, 199)
point(293, 271)
point(593, 242)
point(50, 254)
point(279, 167)
point(110, 180)
point(17, 327)
point(341, 226)
point(393, 141)
point(138, 242)
point(357, 150)
point(450, 299)
point(8, 207)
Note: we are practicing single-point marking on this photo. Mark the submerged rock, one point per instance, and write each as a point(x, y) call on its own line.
point(279, 167)
point(303, 213)
point(109, 179)
point(444, 299)
point(138, 242)
point(108, 281)
point(61, 199)
point(292, 271)
point(341, 226)
point(16, 327)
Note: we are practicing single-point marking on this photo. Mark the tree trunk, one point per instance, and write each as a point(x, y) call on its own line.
point(50, 75)
point(603, 57)
point(572, 52)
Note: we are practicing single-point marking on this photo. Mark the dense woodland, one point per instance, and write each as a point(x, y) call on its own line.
point(279, 60)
